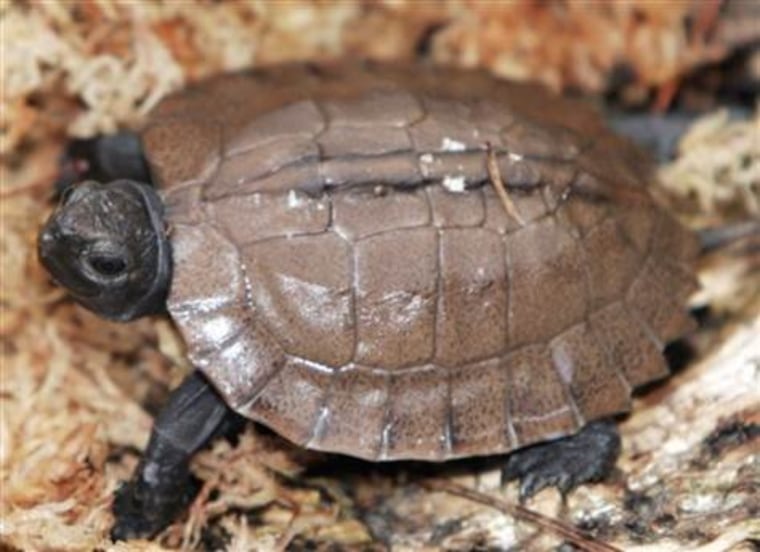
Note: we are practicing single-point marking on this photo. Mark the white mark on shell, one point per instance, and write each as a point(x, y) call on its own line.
point(293, 200)
point(454, 183)
point(218, 329)
point(449, 144)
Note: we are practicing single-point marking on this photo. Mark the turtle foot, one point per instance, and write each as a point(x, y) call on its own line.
point(587, 456)
point(141, 508)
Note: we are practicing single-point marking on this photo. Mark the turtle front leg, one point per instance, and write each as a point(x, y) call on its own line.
point(587, 456)
point(162, 485)
point(103, 158)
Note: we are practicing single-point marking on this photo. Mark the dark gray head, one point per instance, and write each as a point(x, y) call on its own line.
point(107, 245)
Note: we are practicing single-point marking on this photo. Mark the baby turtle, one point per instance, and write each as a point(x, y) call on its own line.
point(385, 262)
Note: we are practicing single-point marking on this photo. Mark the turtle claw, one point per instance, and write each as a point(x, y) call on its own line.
point(142, 510)
point(587, 456)
point(534, 482)
point(131, 521)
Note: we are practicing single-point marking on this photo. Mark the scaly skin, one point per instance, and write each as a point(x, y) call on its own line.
point(587, 456)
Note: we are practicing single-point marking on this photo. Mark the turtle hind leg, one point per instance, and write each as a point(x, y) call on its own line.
point(587, 456)
point(162, 485)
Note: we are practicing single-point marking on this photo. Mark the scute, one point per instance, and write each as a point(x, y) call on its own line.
point(417, 423)
point(596, 386)
point(354, 214)
point(548, 283)
point(471, 320)
point(480, 419)
point(331, 285)
point(303, 285)
point(396, 298)
point(262, 216)
point(629, 345)
point(300, 119)
point(539, 404)
point(183, 150)
point(357, 393)
point(293, 399)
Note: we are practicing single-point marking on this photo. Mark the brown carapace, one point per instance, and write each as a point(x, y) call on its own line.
point(345, 272)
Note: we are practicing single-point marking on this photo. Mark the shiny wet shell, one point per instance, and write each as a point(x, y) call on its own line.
point(345, 273)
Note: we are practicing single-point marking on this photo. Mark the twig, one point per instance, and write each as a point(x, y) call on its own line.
point(495, 175)
point(576, 537)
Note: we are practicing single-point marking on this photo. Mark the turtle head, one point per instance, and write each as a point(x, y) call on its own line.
point(107, 245)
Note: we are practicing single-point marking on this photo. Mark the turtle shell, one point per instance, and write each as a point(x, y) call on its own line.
point(345, 272)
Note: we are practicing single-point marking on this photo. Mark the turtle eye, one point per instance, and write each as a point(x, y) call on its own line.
point(107, 265)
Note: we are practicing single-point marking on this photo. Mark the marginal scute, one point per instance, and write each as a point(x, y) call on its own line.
point(674, 279)
point(657, 294)
point(217, 328)
point(539, 407)
point(357, 393)
point(292, 401)
point(583, 364)
point(479, 408)
point(242, 367)
point(417, 421)
point(629, 346)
